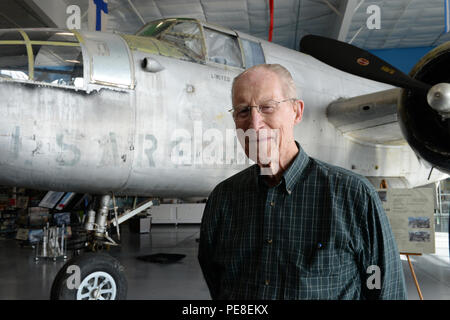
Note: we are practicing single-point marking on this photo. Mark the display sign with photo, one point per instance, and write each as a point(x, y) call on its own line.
point(411, 215)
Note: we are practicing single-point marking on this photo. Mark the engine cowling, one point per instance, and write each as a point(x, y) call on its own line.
point(425, 130)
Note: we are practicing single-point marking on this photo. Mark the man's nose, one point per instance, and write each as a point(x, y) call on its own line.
point(256, 119)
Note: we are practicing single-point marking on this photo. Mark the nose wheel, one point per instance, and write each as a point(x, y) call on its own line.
point(90, 276)
point(98, 285)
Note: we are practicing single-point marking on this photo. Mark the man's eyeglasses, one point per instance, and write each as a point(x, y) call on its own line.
point(242, 113)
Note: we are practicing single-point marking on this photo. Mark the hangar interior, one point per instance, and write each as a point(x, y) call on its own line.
point(410, 28)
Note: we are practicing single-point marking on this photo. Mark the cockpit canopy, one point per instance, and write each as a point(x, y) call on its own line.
point(205, 43)
point(55, 56)
point(43, 55)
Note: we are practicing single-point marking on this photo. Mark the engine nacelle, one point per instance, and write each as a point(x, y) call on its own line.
point(427, 131)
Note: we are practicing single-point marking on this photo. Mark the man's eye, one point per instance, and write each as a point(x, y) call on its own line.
point(267, 109)
point(242, 112)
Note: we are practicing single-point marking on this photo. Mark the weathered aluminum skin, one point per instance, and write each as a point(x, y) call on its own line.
point(124, 138)
point(110, 59)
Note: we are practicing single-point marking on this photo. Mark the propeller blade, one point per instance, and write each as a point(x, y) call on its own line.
point(357, 61)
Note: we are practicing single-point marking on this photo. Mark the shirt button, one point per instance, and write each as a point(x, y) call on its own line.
point(269, 241)
point(272, 203)
point(267, 282)
point(289, 191)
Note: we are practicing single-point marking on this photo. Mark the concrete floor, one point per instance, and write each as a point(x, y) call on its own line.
point(23, 278)
point(432, 272)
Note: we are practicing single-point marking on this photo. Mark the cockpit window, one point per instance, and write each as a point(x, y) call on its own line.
point(61, 65)
point(14, 62)
point(8, 35)
point(253, 53)
point(185, 35)
point(223, 48)
point(155, 28)
point(13, 56)
point(202, 42)
point(50, 56)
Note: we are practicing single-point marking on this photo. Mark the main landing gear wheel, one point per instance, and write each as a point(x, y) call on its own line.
point(101, 277)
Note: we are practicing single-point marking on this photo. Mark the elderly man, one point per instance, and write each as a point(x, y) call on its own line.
point(303, 229)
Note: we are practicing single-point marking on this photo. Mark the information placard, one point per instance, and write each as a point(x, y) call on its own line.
point(411, 215)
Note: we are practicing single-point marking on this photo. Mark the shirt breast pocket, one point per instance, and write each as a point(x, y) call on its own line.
point(321, 262)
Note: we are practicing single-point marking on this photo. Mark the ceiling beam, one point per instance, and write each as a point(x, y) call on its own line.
point(332, 7)
point(17, 14)
point(347, 9)
point(53, 12)
point(138, 14)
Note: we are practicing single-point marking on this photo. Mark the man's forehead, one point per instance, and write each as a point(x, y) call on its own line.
point(259, 81)
point(257, 75)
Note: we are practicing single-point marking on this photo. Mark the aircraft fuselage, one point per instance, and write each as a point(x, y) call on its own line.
point(168, 133)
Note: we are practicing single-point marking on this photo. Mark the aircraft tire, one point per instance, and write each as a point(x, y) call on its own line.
point(99, 276)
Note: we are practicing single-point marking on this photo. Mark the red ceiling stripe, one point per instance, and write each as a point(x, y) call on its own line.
point(271, 20)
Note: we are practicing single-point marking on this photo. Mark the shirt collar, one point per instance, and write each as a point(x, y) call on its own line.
point(293, 173)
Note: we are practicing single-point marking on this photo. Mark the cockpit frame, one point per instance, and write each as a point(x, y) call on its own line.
point(31, 44)
point(203, 28)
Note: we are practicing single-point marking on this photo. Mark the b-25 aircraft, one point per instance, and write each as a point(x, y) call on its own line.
point(146, 115)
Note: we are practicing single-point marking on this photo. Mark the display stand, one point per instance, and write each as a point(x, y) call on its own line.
point(52, 245)
point(412, 271)
point(383, 185)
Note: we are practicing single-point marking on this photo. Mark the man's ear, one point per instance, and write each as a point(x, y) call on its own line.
point(298, 110)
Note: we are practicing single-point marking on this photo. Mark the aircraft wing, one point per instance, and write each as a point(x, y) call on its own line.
point(370, 118)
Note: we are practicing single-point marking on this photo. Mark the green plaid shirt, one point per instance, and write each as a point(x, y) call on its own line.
point(313, 236)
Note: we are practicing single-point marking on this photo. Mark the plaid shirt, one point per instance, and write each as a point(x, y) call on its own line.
point(313, 236)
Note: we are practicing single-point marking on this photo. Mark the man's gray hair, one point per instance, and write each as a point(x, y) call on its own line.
point(289, 89)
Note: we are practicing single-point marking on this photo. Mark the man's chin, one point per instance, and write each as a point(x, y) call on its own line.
point(264, 155)
point(262, 140)
point(265, 144)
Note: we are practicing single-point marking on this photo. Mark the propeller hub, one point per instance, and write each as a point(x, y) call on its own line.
point(438, 98)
